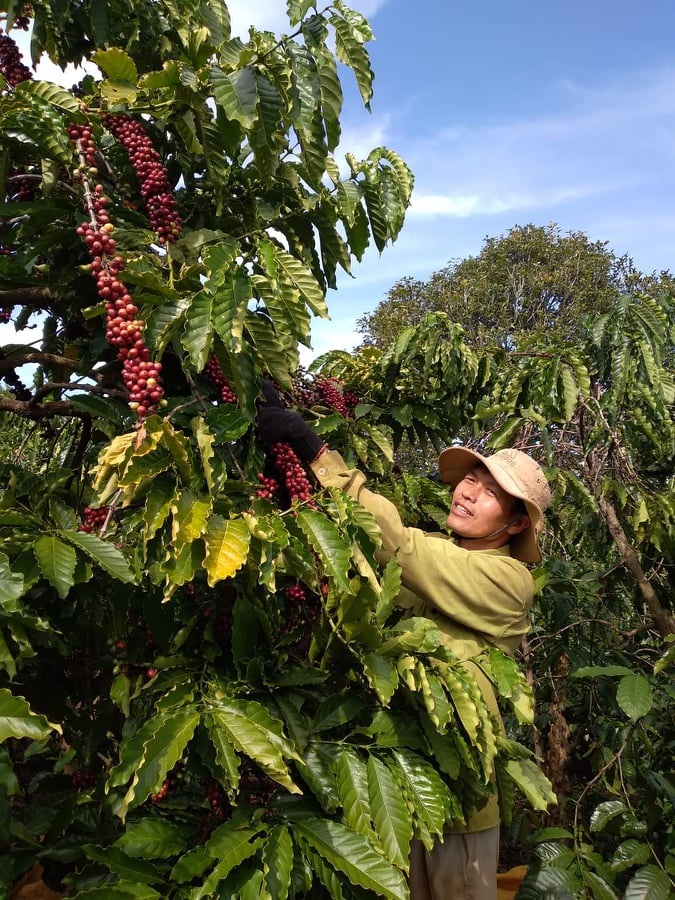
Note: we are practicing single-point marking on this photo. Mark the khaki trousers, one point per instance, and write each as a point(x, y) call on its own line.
point(462, 867)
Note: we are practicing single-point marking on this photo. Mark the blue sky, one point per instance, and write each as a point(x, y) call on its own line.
point(509, 114)
point(517, 113)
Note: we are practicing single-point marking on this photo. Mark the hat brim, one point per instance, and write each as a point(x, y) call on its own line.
point(456, 462)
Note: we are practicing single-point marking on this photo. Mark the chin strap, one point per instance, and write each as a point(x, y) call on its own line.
point(485, 537)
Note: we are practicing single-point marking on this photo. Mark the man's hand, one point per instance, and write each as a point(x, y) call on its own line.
point(274, 424)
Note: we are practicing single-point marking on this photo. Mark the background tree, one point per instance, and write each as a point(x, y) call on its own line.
point(532, 279)
point(206, 688)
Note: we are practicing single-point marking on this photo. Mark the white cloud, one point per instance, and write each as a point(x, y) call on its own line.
point(608, 140)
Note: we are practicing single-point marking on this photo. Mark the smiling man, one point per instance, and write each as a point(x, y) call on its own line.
point(472, 582)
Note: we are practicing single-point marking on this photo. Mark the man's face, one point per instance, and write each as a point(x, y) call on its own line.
point(480, 507)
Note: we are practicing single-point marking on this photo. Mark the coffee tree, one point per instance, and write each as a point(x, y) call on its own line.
point(206, 687)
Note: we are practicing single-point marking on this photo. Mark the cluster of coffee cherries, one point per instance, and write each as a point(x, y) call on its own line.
point(11, 67)
point(215, 375)
point(21, 186)
point(295, 593)
point(328, 392)
point(5, 314)
point(82, 780)
point(170, 783)
point(301, 613)
point(215, 794)
point(301, 608)
point(16, 386)
point(269, 487)
point(288, 465)
point(124, 330)
point(156, 189)
point(219, 805)
point(256, 788)
point(222, 623)
point(324, 392)
point(94, 519)
point(24, 16)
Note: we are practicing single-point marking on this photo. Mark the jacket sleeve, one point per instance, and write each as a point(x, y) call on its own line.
point(485, 591)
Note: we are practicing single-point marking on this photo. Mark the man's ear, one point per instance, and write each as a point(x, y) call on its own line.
point(518, 523)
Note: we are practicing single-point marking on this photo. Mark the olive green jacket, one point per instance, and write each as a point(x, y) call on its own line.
point(478, 598)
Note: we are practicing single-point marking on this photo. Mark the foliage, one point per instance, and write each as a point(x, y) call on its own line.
point(597, 411)
point(206, 686)
point(531, 280)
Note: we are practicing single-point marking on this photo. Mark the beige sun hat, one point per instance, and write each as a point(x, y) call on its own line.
point(519, 475)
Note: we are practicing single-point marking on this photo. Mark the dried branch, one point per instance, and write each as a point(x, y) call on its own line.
point(25, 295)
point(18, 358)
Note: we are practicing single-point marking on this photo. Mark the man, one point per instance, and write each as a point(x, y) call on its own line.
point(473, 585)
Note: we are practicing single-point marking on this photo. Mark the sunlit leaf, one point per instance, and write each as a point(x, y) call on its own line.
point(227, 542)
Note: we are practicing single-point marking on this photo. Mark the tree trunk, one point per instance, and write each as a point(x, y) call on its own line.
point(663, 619)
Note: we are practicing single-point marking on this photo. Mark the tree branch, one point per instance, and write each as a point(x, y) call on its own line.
point(16, 359)
point(24, 295)
point(27, 409)
point(663, 619)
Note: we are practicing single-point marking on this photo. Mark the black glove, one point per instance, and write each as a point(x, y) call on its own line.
point(275, 423)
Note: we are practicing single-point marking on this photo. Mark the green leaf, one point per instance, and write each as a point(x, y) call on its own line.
point(600, 889)
point(236, 93)
point(191, 864)
point(390, 582)
point(157, 506)
point(227, 542)
point(327, 542)
point(121, 890)
point(648, 883)
point(254, 732)
point(226, 757)
point(198, 334)
point(335, 711)
point(390, 815)
point(103, 553)
point(351, 853)
point(605, 812)
point(352, 785)
point(285, 307)
point(277, 858)
point(634, 696)
point(382, 676)
point(293, 272)
point(116, 64)
point(121, 864)
point(17, 720)
point(57, 561)
point(594, 671)
point(229, 308)
point(350, 51)
point(416, 634)
point(50, 93)
point(628, 854)
point(569, 391)
point(230, 846)
point(532, 782)
point(11, 583)
point(423, 788)
point(151, 839)
point(217, 19)
point(297, 9)
point(167, 76)
point(160, 754)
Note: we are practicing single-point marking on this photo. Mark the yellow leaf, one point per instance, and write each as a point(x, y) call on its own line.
point(227, 542)
point(190, 512)
point(115, 453)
